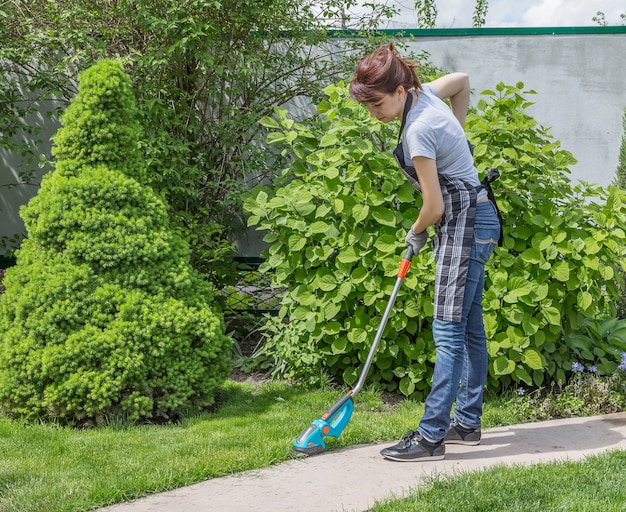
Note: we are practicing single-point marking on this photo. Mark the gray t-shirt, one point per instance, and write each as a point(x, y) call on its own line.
point(432, 131)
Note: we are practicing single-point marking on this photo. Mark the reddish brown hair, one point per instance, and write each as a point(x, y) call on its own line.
point(381, 73)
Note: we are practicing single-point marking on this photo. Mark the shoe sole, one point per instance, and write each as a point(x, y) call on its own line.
point(466, 443)
point(417, 459)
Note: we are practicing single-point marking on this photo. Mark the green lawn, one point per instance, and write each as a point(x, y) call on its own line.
point(49, 468)
point(52, 469)
point(595, 485)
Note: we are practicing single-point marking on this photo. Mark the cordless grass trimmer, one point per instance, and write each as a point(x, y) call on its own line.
point(335, 419)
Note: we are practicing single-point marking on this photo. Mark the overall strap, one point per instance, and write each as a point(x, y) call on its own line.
point(407, 106)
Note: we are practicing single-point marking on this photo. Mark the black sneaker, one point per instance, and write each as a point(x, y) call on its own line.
point(458, 434)
point(413, 447)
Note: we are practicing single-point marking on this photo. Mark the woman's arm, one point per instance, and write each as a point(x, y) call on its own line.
point(456, 87)
point(432, 207)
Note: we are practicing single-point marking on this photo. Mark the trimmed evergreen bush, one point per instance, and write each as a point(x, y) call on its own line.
point(103, 316)
point(620, 181)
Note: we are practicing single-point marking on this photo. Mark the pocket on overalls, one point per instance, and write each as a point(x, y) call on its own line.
point(484, 244)
point(486, 234)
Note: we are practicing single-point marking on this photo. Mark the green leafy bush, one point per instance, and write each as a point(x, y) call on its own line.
point(564, 243)
point(599, 342)
point(336, 226)
point(103, 315)
point(336, 233)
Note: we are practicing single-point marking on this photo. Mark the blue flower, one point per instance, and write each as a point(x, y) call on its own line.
point(592, 369)
point(622, 365)
point(577, 367)
point(521, 391)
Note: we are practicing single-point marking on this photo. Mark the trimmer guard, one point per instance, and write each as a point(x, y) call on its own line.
point(332, 423)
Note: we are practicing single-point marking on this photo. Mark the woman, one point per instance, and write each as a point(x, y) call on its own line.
point(436, 159)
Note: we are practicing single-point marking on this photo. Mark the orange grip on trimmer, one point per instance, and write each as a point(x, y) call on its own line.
point(405, 263)
point(404, 268)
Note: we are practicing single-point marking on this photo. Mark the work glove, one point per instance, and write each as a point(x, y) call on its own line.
point(416, 240)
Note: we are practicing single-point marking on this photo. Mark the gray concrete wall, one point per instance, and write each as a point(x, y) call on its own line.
point(13, 193)
point(580, 80)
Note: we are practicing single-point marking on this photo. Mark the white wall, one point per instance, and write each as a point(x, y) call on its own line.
point(580, 80)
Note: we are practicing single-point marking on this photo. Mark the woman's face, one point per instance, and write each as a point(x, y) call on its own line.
point(389, 107)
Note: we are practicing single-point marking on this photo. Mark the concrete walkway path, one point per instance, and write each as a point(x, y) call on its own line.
point(354, 479)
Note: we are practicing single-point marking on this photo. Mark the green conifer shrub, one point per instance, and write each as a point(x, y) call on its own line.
point(620, 181)
point(103, 315)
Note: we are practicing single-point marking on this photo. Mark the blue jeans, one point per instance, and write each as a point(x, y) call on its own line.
point(461, 347)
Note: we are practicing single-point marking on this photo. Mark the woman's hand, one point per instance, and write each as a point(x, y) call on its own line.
point(456, 87)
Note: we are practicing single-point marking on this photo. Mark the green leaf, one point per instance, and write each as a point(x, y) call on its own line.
point(339, 345)
point(345, 288)
point(532, 358)
point(518, 287)
point(560, 271)
point(580, 341)
point(372, 297)
point(350, 376)
point(357, 335)
point(399, 371)
point(329, 139)
point(552, 315)
point(331, 309)
point(360, 212)
point(584, 300)
point(530, 325)
point(411, 309)
point(348, 255)
point(306, 298)
point(493, 347)
point(522, 375)
point(323, 253)
point(538, 220)
point(359, 275)
point(363, 145)
point(407, 386)
point(296, 242)
point(406, 194)
point(503, 366)
point(542, 241)
point(513, 314)
point(269, 122)
point(532, 256)
point(592, 246)
point(607, 272)
point(539, 292)
point(319, 227)
point(275, 137)
point(384, 216)
point(510, 153)
point(386, 244)
point(253, 220)
point(326, 282)
point(332, 328)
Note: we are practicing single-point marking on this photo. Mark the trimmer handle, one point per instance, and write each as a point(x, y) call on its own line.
point(405, 264)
